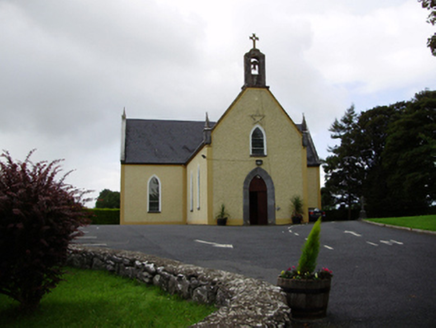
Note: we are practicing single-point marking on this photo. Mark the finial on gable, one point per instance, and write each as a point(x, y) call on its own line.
point(123, 136)
point(304, 124)
point(207, 123)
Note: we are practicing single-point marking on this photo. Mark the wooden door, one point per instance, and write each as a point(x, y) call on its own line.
point(258, 201)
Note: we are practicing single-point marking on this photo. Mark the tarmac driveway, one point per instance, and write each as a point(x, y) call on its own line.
point(383, 277)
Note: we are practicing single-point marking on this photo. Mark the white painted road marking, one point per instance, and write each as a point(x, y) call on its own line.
point(214, 244)
point(328, 247)
point(391, 242)
point(296, 234)
point(353, 233)
point(95, 245)
point(373, 244)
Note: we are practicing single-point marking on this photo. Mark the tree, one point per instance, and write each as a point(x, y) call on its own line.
point(108, 199)
point(39, 216)
point(341, 168)
point(409, 155)
point(370, 141)
point(328, 200)
point(386, 154)
point(431, 19)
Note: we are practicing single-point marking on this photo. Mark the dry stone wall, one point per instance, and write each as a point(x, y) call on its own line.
point(241, 301)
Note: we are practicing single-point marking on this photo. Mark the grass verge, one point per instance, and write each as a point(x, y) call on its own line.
point(425, 222)
point(99, 299)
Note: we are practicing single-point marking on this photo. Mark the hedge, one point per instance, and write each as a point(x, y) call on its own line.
point(340, 215)
point(105, 215)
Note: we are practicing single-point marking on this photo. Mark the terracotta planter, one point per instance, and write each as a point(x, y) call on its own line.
point(308, 299)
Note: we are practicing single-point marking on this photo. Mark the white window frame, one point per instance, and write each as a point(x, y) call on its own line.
point(160, 194)
point(191, 193)
point(198, 187)
point(257, 126)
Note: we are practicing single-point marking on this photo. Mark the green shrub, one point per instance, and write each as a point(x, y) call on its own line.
point(340, 215)
point(309, 254)
point(105, 215)
point(39, 216)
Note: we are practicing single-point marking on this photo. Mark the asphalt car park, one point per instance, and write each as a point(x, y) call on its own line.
point(383, 277)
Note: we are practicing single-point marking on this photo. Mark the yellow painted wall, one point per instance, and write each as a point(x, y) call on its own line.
point(305, 194)
point(134, 180)
point(232, 162)
point(314, 187)
point(197, 168)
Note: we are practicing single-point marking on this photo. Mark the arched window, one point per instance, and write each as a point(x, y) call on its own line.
point(258, 142)
point(191, 193)
point(154, 195)
point(198, 187)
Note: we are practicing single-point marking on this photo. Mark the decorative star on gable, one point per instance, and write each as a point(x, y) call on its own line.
point(257, 118)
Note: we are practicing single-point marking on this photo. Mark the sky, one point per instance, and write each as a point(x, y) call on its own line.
point(69, 68)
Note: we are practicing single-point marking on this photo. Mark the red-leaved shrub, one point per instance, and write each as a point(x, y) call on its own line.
point(39, 216)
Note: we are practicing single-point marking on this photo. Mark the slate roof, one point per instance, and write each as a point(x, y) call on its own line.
point(174, 142)
point(312, 155)
point(161, 141)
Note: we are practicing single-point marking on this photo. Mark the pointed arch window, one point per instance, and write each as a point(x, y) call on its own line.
point(258, 141)
point(198, 187)
point(154, 195)
point(191, 193)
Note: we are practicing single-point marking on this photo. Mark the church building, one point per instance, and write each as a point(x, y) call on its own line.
point(253, 160)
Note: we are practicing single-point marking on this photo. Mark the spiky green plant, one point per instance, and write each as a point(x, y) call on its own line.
point(222, 212)
point(310, 250)
point(297, 206)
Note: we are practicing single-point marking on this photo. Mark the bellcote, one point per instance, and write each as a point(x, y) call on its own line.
point(254, 66)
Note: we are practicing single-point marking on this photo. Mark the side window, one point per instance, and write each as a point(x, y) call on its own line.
point(154, 195)
point(257, 142)
point(191, 193)
point(198, 187)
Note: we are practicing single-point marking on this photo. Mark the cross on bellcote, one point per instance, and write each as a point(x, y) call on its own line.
point(254, 38)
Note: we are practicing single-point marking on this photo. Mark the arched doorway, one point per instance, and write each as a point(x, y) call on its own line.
point(261, 190)
point(258, 201)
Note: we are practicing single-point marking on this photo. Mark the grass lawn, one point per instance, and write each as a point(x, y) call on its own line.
point(425, 222)
point(100, 299)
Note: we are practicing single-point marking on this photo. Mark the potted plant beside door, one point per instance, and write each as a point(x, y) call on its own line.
point(297, 209)
point(221, 218)
point(307, 291)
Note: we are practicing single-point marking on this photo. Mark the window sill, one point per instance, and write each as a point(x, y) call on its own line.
point(257, 155)
point(153, 211)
